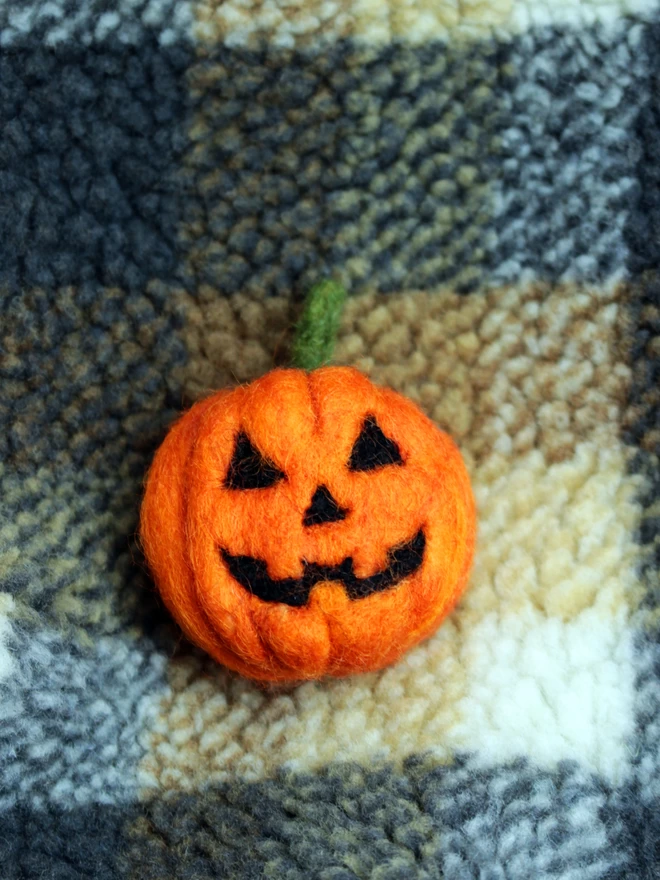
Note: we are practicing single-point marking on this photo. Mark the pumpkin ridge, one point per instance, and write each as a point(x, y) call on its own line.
point(315, 403)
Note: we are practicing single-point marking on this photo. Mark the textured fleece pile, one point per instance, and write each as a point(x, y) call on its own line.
point(484, 177)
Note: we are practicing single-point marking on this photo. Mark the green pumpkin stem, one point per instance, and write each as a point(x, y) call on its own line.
point(316, 331)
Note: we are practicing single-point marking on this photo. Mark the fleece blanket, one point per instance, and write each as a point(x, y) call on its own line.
point(484, 178)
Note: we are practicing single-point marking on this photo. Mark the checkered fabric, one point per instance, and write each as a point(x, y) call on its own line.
point(484, 178)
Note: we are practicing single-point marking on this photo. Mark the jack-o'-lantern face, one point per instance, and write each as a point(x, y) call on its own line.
point(308, 524)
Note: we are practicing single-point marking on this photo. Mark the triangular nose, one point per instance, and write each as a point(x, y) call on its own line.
point(323, 509)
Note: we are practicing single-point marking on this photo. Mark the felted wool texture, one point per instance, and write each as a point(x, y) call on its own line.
point(419, 822)
point(443, 166)
point(525, 14)
point(641, 796)
point(312, 21)
point(55, 23)
point(87, 391)
point(424, 821)
point(644, 222)
point(72, 719)
point(638, 801)
point(66, 843)
point(567, 187)
point(231, 339)
point(346, 819)
point(642, 426)
point(124, 114)
point(303, 22)
point(6, 658)
point(76, 566)
point(306, 424)
point(533, 383)
point(641, 431)
point(334, 164)
point(90, 166)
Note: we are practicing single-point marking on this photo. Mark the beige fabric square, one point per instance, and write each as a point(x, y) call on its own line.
point(536, 660)
point(290, 23)
point(297, 23)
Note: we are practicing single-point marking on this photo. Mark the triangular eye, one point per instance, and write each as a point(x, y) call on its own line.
point(249, 469)
point(373, 449)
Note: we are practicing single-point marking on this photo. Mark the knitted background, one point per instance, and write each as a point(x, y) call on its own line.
point(484, 177)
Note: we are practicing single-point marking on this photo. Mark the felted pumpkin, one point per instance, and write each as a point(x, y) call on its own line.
point(308, 524)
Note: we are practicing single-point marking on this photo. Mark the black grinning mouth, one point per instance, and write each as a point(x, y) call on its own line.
point(252, 575)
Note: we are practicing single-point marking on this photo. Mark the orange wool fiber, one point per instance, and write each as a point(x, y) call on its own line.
point(308, 525)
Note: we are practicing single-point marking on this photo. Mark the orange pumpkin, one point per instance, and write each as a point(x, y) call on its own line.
point(308, 524)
